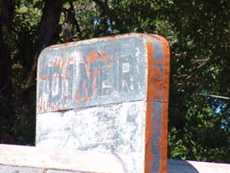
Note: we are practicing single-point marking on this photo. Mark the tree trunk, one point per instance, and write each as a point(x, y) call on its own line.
point(48, 33)
point(7, 117)
point(49, 27)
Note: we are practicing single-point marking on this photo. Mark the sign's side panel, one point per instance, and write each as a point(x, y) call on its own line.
point(118, 129)
point(89, 74)
point(157, 105)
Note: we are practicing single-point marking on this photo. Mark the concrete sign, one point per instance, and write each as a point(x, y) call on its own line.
point(107, 95)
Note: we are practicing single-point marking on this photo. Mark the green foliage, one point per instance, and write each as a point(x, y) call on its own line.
point(199, 35)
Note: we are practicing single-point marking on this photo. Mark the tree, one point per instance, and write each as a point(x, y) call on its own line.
point(199, 67)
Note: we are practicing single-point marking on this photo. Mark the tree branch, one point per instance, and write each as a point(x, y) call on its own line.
point(49, 26)
point(74, 20)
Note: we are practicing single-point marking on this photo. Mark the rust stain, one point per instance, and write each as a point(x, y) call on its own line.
point(97, 56)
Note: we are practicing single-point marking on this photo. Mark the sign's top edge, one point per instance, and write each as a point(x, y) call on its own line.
point(105, 38)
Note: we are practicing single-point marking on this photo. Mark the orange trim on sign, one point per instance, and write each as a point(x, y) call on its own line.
point(149, 109)
point(157, 91)
point(164, 119)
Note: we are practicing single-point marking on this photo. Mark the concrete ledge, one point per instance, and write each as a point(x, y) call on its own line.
point(31, 157)
point(24, 159)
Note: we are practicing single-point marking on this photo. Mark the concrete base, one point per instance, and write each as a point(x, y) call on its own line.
point(23, 159)
point(98, 129)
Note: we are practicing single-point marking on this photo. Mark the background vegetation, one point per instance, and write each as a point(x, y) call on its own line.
point(199, 35)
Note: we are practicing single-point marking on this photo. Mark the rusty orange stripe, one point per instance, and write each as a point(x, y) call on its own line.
point(157, 91)
point(149, 109)
point(164, 119)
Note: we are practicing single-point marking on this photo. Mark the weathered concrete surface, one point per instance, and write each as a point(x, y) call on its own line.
point(22, 159)
point(108, 95)
point(98, 129)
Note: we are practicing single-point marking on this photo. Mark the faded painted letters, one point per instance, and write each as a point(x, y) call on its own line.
point(83, 75)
